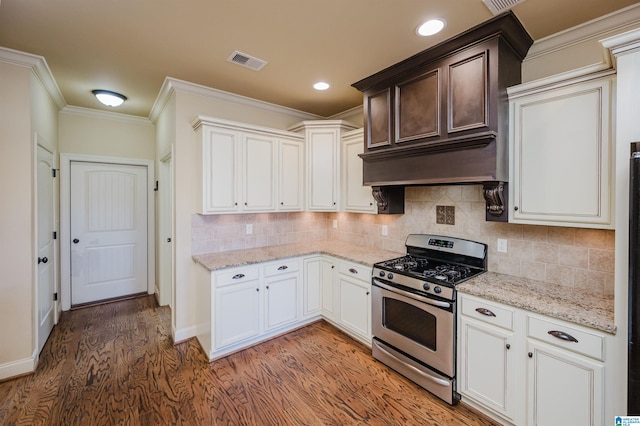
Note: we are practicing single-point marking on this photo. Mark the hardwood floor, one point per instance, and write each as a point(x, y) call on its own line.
point(116, 364)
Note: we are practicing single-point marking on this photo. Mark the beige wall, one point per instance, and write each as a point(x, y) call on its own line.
point(25, 108)
point(90, 132)
point(16, 251)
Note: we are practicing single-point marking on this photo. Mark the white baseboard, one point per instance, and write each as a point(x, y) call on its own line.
point(19, 367)
point(182, 334)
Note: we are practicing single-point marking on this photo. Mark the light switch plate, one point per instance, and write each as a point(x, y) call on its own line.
point(385, 230)
point(249, 228)
point(502, 245)
point(335, 224)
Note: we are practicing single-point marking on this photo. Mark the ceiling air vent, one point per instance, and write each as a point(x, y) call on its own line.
point(498, 6)
point(246, 61)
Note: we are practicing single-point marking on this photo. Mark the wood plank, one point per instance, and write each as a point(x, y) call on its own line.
point(116, 364)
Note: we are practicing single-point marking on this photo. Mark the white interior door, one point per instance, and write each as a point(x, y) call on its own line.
point(108, 231)
point(46, 248)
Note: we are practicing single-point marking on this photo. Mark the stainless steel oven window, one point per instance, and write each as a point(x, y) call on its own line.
point(410, 321)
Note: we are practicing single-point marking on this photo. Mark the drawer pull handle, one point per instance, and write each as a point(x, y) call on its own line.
point(563, 336)
point(485, 311)
point(237, 276)
point(353, 271)
point(283, 267)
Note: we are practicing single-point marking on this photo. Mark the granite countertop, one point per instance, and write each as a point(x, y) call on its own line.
point(590, 310)
point(364, 255)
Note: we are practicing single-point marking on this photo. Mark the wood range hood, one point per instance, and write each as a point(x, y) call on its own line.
point(442, 116)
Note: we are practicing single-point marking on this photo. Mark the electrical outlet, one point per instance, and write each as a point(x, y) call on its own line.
point(249, 228)
point(502, 245)
point(335, 224)
point(385, 230)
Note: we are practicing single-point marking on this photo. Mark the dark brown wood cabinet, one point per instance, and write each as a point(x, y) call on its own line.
point(442, 115)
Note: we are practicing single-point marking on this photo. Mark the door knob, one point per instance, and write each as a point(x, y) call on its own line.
point(42, 260)
point(76, 241)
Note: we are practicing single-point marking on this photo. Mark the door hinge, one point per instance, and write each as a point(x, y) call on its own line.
point(55, 235)
point(53, 173)
point(55, 297)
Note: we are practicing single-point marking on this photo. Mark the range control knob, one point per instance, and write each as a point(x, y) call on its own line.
point(426, 287)
point(437, 289)
point(382, 274)
point(390, 275)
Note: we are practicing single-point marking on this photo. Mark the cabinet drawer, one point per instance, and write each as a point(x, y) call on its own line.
point(566, 337)
point(354, 270)
point(487, 312)
point(281, 267)
point(236, 276)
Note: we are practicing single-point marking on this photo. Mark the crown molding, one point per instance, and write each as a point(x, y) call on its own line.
point(172, 85)
point(623, 43)
point(108, 115)
point(618, 22)
point(39, 67)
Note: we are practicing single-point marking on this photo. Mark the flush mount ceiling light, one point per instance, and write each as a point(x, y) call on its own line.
point(431, 27)
point(321, 85)
point(109, 98)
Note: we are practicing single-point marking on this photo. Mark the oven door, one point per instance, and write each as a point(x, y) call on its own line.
point(416, 325)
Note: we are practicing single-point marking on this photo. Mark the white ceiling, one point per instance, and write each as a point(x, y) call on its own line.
point(130, 46)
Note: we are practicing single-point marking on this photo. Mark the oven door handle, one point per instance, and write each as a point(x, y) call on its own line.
point(433, 302)
point(441, 382)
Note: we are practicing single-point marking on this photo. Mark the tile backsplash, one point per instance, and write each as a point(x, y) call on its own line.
point(572, 257)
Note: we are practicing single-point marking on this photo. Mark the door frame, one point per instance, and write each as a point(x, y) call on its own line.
point(166, 226)
point(65, 217)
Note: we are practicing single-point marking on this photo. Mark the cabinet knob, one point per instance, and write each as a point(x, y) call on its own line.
point(368, 292)
point(508, 346)
point(282, 203)
point(237, 276)
point(282, 268)
point(515, 208)
point(530, 354)
point(245, 204)
point(235, 204)
point(257, 289)
point(333, 266)
point(353, 271)
point(42, 260)
point(267, 287)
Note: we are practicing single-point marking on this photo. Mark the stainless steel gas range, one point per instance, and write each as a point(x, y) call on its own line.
point(414, 309)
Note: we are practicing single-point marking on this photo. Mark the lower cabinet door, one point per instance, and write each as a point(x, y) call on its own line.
point(486, 371)
point(237, 313)
point(281, 301)
point(563, 388)
point(355, 306)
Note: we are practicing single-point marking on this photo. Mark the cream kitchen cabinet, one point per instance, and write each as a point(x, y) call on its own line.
point(322, 139)
point(354, 287)
point(283, 293)
point(528, 369)
point(561, 151)
point(236, 306)
point(357, 198)
point(249, 168)
point(565, 374)
point(488, 348)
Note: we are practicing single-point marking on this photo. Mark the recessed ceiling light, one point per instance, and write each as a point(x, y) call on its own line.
point(109, 98)
point(321, 85)
point(431, 27)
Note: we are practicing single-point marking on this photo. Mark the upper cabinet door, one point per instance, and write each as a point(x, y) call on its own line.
point(356, 197)
point(291, 190)
point(220, 172)
point(323, 157)
point(561, 153)
point(259, 168)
